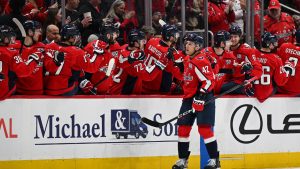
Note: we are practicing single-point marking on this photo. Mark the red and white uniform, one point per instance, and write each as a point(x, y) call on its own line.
point(224, 68)
point(156, 49)
point(217, 18)
point(244, 53)
point(127, 78)
point(273, 72)
point(33, 84)
point(283, 28)
point(99, 69)
point(197, 75)
point(291, 52)
point(12, 66)
point(64, 78)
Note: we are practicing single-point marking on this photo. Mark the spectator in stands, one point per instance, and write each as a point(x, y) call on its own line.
point(52, 34)
point(155, 22)
point(193, 13)
point(220, 15)
point(239, 14)
point(125, 19)
point(279, 23)
point(16, 7)
point(92, 6)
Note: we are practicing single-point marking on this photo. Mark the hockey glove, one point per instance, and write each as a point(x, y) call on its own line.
point(199, 101)
point(246, 68)
point(86, 86)
point(249, 89)
point(136, 56)
point(59, 57)
point(289, 67)
point(34, 57)
point(98, 51)
point(2, 77)
point(170, 54)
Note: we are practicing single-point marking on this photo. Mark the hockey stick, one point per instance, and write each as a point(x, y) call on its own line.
point(110, 68)
point(23, 33)
point(159, 125)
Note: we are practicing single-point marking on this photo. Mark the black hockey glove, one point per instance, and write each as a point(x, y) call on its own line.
point(59, 57)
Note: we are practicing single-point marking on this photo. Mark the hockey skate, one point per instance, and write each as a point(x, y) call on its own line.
point(181, 164)
point(213, 164)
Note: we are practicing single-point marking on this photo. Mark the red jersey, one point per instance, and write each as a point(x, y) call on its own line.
point(63, 78)
point(197, 75)
point(217, 18)
point(127, 78)
point(273, 75)
point(291, 52)
point(244, 53)
point(33, 84)
point(156, 49)
point(11, 66)
point(224, 68)
point(283, 28)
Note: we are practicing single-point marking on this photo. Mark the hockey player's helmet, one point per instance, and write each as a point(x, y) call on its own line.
point(193, 37)
point(221, 36)
point(68, 31)
point(235, 30)
point(135, 35)
point(6, 32)
point(168, 31)
point(267, 38)
point(31, 25)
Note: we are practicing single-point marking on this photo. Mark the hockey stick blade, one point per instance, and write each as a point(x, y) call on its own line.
point(159, 125)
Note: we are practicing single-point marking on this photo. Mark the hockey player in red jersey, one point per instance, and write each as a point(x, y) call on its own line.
point(12, 65)
point(130, 69)
point(160, 52)
point(245, 57)
point(274, 72)
point(223, 61)
point(101, 49)
point(279, 23)
point(33, 84)
point(64, 62)
point(291, 52)
point(198, 84)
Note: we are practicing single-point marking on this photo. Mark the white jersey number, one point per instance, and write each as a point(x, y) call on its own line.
point(265, 78)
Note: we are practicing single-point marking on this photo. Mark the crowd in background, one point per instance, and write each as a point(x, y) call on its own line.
point(98, 30)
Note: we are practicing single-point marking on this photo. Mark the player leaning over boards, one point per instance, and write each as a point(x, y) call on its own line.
point(199, 81)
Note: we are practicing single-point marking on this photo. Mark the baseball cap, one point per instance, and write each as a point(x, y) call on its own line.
point(274, 4)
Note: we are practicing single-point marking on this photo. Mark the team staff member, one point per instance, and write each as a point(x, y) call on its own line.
point(199, 81)
point(279, 23)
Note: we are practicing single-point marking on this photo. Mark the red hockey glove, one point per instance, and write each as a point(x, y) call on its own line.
point(249, 89)
point(199, 101)
point(86, 86)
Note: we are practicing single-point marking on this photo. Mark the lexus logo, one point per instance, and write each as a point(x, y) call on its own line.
point(246, 124)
